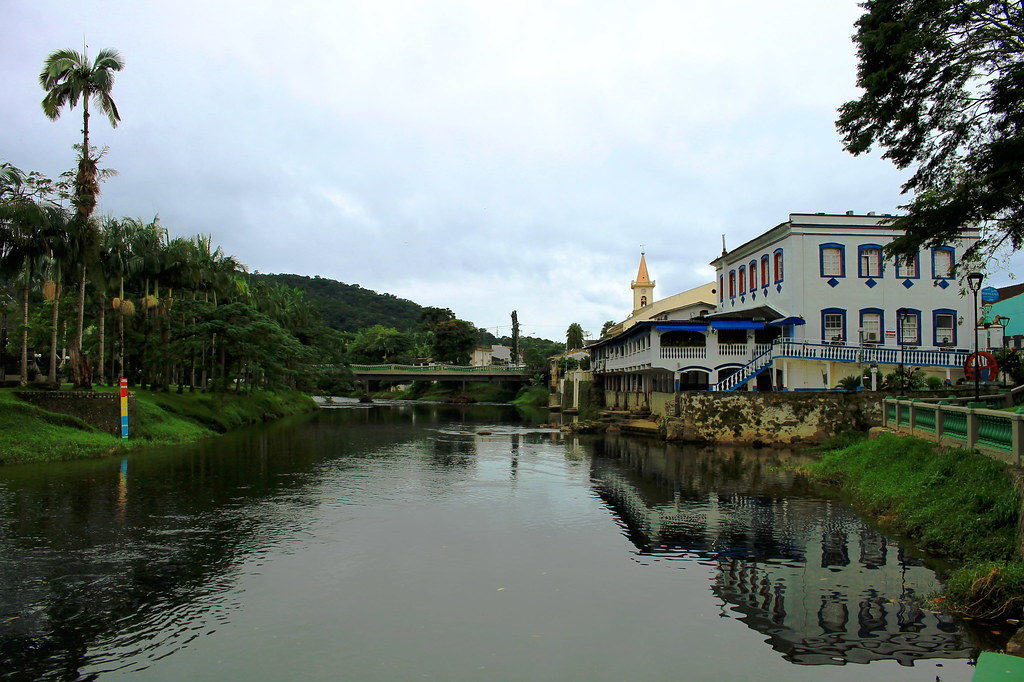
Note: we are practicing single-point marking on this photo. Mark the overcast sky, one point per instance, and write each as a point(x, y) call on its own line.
point(483, 156)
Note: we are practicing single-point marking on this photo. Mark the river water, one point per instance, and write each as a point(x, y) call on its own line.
point(397, 542)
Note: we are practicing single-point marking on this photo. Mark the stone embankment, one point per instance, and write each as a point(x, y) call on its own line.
point(750, 418)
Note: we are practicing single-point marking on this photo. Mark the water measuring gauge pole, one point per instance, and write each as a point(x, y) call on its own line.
point(124, 408)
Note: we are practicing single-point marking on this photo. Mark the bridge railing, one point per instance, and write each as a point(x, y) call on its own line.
point(439, 369)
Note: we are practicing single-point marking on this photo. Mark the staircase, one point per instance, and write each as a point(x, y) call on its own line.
point(745, 373)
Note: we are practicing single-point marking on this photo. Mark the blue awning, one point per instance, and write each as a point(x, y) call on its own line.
point(736, 324)
point(682, 328)
point(787, 321)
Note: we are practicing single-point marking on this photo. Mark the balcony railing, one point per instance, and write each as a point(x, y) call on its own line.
point(733, 349)
point(882, 355)
point(684, 353)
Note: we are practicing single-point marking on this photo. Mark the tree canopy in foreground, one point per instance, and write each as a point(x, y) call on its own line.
point(943, 88)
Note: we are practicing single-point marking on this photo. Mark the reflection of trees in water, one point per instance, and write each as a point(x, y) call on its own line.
point(138, 560)
point(807, 572)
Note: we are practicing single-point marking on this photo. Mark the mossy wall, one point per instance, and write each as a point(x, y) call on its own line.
point(781, 417)
point(101, 411)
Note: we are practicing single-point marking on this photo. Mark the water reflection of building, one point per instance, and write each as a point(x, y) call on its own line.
point(823, 586)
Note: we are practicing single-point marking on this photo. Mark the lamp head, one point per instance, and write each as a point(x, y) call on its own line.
point(974, 280)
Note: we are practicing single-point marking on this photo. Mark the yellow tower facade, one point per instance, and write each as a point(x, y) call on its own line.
point(643, 287)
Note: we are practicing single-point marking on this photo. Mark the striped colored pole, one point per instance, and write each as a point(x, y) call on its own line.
point(124, 408)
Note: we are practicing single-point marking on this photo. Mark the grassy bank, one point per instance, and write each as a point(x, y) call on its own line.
point(480, 391)
point(954, 503)
point(532, 396)
point(31, 434)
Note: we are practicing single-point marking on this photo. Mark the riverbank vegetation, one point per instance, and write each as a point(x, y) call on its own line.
point(956, 504)
point(31, 434)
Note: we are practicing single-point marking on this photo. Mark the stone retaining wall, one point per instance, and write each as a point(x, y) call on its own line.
point(785, 417)
point(99, 410)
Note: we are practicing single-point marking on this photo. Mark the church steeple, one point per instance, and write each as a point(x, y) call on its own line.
point(643, 286)
point(641, 276)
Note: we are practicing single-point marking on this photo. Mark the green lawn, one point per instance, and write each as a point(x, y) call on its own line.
point(31, 434)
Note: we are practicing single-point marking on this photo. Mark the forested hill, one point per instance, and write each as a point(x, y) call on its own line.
point(349, 307)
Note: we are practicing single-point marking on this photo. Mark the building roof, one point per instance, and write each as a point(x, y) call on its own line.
point(641, 276)
point(1010, 291)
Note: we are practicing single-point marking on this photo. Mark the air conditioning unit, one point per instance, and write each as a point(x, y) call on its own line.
point(871, 337)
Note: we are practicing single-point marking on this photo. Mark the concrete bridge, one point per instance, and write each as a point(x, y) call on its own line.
point(491, 373)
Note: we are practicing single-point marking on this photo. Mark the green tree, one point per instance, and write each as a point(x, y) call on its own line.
point(379, 344)
point(574, 337)
point(606, 326)
point(68, 77)
point(430, 317)
point(943, 85)
point(454, 341)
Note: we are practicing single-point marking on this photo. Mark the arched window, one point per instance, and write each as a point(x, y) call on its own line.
point(908, 326)
point(943, 259)
point(764, 271)
point(833, 325)
point(721, 288)
point(753, 275)
point(869, 260)
point(832, 260)
point(743, 279)
point(872, 324)
point(944, 327)
point(778, 265)
point(907, 268)
point(732, 283)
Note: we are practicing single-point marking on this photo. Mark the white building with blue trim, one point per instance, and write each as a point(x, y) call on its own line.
point(800, 307)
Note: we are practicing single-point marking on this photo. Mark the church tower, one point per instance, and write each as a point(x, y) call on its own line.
point(643, 287)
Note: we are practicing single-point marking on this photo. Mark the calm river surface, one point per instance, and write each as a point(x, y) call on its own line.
point(396, 542)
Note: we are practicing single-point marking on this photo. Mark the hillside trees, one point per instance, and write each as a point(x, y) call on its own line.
point(943, 85)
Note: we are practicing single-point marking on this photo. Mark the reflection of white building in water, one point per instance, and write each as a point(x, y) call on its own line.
point(808, 573)
point(799, 307)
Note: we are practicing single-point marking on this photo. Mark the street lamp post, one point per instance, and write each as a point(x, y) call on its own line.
point(901, 323)
point(974, 280)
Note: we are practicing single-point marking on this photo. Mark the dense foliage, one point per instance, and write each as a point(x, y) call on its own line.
point(156, 309)
point(943, 85)
point(349, 307)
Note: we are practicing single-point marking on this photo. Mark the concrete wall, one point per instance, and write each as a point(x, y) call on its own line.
point(100, 410)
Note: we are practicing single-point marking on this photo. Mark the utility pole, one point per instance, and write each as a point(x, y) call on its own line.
point(515, 338)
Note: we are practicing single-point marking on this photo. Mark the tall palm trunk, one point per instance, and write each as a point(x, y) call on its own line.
point(54, 323)
point(24, 332)
point(103, 337)
point(78, 361)
point(120, 334)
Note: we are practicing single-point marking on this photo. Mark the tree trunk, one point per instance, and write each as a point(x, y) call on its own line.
point(24, 333)
point(54, 323)
point(78, 364)
point(103, 337)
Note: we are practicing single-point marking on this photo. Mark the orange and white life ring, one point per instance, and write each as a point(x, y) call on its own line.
point(983, 362)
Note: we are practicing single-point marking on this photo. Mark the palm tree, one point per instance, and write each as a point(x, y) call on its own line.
point(68, 77)
point(574, 337)
point(25, 227)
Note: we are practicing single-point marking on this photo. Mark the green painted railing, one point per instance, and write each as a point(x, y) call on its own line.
point(924, 418)
point(995, 432)
point(954, 425)
point(437, 369)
